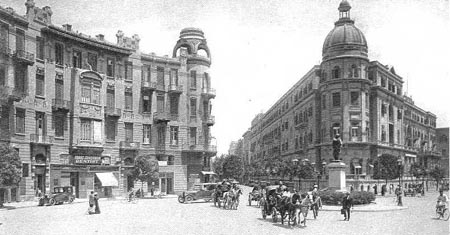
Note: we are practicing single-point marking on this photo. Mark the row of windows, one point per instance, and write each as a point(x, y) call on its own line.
point(206, 81)
point(353, 72)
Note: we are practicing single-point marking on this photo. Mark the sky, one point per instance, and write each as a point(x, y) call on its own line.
point(260, 49)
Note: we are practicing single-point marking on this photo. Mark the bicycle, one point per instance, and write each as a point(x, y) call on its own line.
point(442, 212)
point(130, 199)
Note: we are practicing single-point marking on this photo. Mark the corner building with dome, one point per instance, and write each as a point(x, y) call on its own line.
point(350, 95)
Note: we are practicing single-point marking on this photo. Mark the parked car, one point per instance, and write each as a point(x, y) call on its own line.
point(59, 196)
point(201, 191)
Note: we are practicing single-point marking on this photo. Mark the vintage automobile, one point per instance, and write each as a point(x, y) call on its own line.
point(59, 196)
point(201, 191)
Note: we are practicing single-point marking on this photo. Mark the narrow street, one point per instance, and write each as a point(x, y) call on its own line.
point(167, 216)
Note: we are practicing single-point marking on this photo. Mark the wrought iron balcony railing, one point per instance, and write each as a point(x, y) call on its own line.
point(149, 85)
point(127, 145)
point(176, 89)
point(11, 93)
point(24, 56)
point(61, 104)
point(209, 92)
point(112, 111)
point(41, 139)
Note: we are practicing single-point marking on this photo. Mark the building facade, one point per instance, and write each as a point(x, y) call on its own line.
point(350, 95)
point(79, 109)
point(443, 145)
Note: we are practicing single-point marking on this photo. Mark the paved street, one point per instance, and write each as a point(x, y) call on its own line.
point(167, 216)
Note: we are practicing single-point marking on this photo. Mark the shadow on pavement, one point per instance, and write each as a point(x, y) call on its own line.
point(8, 208)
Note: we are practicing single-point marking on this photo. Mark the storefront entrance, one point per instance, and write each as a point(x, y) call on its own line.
point(74, 181)
point(166, 182)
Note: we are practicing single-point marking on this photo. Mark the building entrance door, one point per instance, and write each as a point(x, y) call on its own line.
point(74, 181)
point(40, 178)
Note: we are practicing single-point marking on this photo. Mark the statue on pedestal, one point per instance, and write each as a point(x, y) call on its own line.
point(337, 143)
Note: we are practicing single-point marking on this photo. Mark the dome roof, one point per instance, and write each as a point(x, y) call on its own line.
point(345, 39)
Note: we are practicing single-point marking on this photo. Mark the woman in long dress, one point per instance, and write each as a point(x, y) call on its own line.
point(97, 208)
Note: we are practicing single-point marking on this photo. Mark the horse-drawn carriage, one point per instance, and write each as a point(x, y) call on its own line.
point(227, 196)
point(256, 194)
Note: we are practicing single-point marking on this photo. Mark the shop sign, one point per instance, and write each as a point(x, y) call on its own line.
point(88, 160)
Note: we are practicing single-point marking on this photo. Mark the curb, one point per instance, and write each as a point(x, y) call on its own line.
point(369, 210)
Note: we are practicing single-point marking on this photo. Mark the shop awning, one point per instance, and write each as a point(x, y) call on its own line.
point(357, 166)
point(409, 155)
point(208, 173)
point(107, 179)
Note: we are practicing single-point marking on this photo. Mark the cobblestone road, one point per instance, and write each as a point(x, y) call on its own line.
point(167, 216)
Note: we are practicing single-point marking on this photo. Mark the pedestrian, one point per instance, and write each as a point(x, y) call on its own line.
point(97, 208)
point(383, 190)
point(347, 203)
point(351, 188)
point(398, 192)
point(368, 188)
point(375, 189)
point(391, 188)
point(91, 203)
point(362, 187)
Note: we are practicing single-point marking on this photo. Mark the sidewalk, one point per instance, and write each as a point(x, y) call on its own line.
point(34, 203)
point(380, 204)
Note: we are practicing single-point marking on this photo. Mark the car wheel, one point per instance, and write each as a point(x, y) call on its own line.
point(52, 201)
point(189, 198)
point(181, 199)
point(71, 199)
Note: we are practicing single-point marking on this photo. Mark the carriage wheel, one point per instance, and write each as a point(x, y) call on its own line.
point(274, 215)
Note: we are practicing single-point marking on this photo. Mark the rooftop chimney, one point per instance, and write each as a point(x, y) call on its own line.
point(67, 27)
point(100, 37)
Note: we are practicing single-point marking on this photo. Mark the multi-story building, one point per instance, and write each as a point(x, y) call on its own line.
point(442, 146)
point(79, 109)
point(350, 95)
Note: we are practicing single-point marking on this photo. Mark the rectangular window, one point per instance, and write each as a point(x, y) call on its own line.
point(146, 102)
point(160, 104)
point(160, 76)
point(193, 107)
point(383, 82)
point(85, 93)
point(399, 114)
point(147, 134)
point(111, 129)
point(193, 79)
point(3, 73)
point(110, 62)
point(98, 137)
point(40, 84)
point(128, 100)
point(367, 100)
point(173, 135)
point(174, 105)
point(354, 98)
point(59, 89)
point(39, 48)
point(20, 40)
point(92, 61)
point(76, 59)
point(128, 71)
point(193, 135)
point(96, 95)
point(110, 98)
point(59, 120)
point(355, 131)
point(20, 121)
point(85, 129)
point(59, 54)
point(20, 73)
point(25, 169)
point(161, 135)
point(174, 77)
point(336, 99)
point(41, 124)
point(383, 133)
point(324, 102)
point(129, 132)
point(383, 109)
point(4, 34)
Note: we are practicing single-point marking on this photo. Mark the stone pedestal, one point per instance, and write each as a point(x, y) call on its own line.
point(336, 173)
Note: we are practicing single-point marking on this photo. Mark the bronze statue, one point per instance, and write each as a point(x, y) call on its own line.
point(337, 142)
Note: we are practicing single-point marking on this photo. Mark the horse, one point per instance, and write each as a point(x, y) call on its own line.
point(235, 198)
point(301, 209)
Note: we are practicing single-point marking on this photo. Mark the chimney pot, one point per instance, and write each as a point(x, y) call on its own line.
point(67, 27)
point(100, 37)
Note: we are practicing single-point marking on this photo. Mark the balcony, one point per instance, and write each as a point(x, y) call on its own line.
point(5, 50)
point(10, 93)
point(430, 153)
point(125, 145)
point(199, 148)
point(208, 92)
point(41, 139)
point(60, 104)
point(149, 86)
point(24, 57)
point(112, 112)
point(160, 148)
point(209, 120)
point(175, 89)
point(159, 117)
point(160, 87)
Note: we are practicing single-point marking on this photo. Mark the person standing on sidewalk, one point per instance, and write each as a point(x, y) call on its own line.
point(398, 192)
point(97, 208)
point(91, 203)
point(347, 203)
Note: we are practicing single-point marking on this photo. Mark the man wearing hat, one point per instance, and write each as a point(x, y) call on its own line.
point(347, 203)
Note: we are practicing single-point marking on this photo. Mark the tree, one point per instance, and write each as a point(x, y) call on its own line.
point(10, 167)
point(232, 167)
point(145, 169)
point(417, 170)
point(437, 173)
point(217, 165)
point(385, 167)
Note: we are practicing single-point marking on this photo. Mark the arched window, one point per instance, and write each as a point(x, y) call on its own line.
point(354, 71)
point(336, 72)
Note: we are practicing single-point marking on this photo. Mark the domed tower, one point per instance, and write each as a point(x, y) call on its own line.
point(193, 52)
point(344, 85)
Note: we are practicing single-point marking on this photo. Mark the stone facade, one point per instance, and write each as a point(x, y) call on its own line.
point(75, 105)
point(350, 95)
